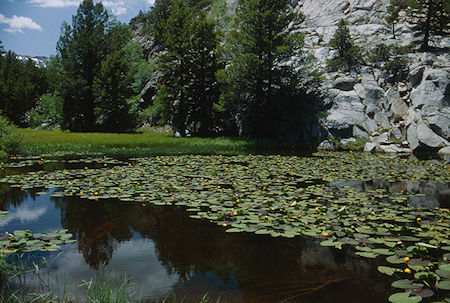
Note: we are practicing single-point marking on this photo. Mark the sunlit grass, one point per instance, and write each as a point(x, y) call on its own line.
point(143, 142)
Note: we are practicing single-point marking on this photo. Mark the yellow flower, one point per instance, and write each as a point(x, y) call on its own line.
point(235, 213)
point(419, 219)
point(96, 193)
point(237, 201)
point(407, 270)
point(224, 224)
point(325, 234)
point(406, 259)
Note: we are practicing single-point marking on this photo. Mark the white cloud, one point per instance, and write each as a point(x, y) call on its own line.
point(117, 7)
point(55, 3)
point(151, 2)
point(18, 23)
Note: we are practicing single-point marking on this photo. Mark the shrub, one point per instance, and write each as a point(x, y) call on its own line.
point(9, 137)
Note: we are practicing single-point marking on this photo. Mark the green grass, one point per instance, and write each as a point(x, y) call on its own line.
point(104, 287)
point(143, 143)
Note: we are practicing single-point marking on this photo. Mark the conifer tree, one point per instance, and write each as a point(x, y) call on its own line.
point(393, 14)
point(429, 18)
point(81, 49)
point(96, 72)
point(261, 75)
point(348, 55)
point(21, 85)
point(187, 87)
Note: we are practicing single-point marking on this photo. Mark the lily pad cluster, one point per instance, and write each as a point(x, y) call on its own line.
point(26, 241)
point(288, 197)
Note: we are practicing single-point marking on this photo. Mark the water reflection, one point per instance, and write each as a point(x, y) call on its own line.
point(431, 195)
point(164, 250)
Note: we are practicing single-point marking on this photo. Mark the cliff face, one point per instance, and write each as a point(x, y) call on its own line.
point(395, 113)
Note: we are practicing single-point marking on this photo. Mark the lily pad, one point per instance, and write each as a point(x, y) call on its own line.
point(404, 297)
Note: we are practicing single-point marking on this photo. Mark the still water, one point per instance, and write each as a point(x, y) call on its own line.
point(164, 251)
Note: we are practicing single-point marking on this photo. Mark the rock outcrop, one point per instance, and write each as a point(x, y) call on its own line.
point(410, 113)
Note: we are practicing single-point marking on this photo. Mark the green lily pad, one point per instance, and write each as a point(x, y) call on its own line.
point(444, 285)
point(404, 297)
point(406, 284)
point(388, 270)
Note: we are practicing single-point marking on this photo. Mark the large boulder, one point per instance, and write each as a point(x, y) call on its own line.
point(373, 98)
point(428, 139)
point(445, 153)
point(399, 108)
point(433, 91)
point(411, 136)
point(344, 83)
point(347, 111)
point(438, 121)
point(415, 76)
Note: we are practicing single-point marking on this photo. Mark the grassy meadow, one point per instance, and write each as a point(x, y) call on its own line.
point(143, 142)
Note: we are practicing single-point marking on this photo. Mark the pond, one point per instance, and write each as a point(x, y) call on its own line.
point(242, 228)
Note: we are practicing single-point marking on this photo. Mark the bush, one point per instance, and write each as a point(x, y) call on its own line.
point(48, 112)
point(9, 137)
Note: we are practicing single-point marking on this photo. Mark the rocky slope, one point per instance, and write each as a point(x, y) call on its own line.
point(405, 113)
point(395, 115)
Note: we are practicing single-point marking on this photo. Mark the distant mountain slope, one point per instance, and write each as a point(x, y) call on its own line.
point(39, 61)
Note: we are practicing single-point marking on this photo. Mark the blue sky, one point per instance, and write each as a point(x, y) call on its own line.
point(32, 27)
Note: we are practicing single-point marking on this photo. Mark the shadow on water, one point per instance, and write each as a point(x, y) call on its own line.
point(165, 251)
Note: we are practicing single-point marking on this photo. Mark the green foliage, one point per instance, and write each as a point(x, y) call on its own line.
point(48, 111)
point(107, 288)
point(393, 14)
point(21, 85)
point(429, 19)
point(10, 139)
point(187, 87)
point(96, 55)
point(390, 58)
point(348, 55)
point(357, 145)
point(264, 59)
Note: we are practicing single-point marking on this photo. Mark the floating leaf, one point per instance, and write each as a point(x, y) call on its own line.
point(406, 284)
point(404, 297)
point(444, 285)
point(388, 270)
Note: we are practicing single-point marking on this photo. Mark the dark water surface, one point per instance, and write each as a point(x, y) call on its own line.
point(164, 251)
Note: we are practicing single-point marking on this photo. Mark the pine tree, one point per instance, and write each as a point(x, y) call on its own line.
point(113, 83)
point(21, 85)
point(203, 89)
point(81, 49)
point(187, 86)
point(348, 55)
point(96, 71)
point(429, 18)
point(261, 75)
point(393, 14)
